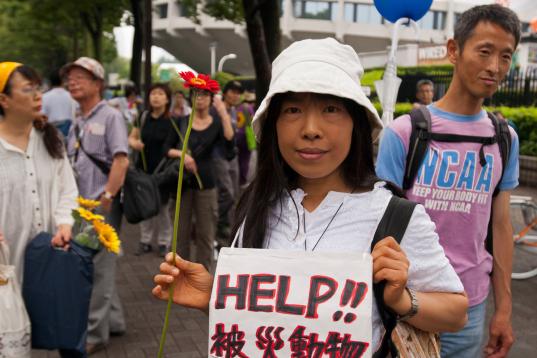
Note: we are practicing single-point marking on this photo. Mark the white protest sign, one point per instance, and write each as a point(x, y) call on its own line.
point(278, 303)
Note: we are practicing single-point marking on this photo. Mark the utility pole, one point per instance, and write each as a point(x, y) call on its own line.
point(148, 42)
point(212, 49)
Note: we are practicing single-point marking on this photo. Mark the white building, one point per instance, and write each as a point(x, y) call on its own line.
point(354, 22)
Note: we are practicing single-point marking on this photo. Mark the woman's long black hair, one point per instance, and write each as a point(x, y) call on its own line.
point(273, 177)
point(51, 136)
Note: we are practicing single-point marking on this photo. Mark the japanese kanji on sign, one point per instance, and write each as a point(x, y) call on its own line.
point(275, 303)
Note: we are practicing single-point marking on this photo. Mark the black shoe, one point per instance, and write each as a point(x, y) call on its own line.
point(143, 249)
point(162, 250)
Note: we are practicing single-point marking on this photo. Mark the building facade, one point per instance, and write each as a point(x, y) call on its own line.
point(354, 22)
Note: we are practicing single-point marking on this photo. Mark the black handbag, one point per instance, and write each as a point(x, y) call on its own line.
point(167, 175)
point(141, 196)
point(140, 192)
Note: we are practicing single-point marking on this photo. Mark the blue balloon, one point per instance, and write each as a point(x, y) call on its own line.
point(393, 10)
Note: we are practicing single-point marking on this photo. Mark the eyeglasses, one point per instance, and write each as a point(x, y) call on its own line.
point(203, 94)
point(31, 90)
point(79, 78)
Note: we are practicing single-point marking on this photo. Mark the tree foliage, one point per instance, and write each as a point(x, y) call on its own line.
point(262, 19)
point(46, 34)
point(231, 10)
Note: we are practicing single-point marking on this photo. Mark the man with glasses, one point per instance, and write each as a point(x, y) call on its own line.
point(99, 135)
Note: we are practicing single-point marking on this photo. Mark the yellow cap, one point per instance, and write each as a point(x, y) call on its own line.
point(6, 68)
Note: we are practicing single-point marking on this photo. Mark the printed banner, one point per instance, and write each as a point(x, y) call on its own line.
point(277, 303)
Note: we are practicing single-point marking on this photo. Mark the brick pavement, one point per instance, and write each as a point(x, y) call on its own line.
point(187, 335)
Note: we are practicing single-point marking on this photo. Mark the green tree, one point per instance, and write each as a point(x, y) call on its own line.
point(96, 16)
point(35, 40)
point(48, 33)
point(262, 18)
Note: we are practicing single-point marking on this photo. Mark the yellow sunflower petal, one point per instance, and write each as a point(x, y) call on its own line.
point(88, 203)
point(107, 236)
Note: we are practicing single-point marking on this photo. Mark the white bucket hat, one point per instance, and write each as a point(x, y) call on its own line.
point(318, 66)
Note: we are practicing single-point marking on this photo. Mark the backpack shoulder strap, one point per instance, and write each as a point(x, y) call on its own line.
point(143, 119)
point(394, 223)
point(503, 136)
point(417, 146)
point(183, 124)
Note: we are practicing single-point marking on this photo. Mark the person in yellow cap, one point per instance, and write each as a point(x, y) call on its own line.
point(37, 186)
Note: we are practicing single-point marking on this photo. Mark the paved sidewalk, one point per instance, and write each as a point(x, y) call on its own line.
point(187, 335)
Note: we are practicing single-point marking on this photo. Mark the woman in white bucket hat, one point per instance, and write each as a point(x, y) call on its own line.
point(315, 189)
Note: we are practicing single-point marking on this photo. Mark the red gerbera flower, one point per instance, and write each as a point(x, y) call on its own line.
point(202, 82)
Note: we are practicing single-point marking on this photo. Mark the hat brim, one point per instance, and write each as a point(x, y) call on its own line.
point(322, 78)
point(64, 71)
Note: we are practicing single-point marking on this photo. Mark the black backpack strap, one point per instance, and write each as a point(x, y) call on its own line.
point(457, 138)
point(503, 135)
point(503, 138)
point(394, 223)
point(419, 141)
point(141, 121)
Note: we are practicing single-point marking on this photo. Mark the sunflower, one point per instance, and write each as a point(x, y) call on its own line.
point(87, 203)
point(107, 236)
point(201, 81)
point(88, 215)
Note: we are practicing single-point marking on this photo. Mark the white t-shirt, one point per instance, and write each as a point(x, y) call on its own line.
point(291, 227)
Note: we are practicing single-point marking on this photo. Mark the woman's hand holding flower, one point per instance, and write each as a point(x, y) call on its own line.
point(190, 164)
point(137, 145)
point(193, 284)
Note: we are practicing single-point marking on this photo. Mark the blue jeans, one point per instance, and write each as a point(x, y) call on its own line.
point(467, 342)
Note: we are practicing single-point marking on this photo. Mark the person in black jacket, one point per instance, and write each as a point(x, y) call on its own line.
point(148, 137)
point(201, 203)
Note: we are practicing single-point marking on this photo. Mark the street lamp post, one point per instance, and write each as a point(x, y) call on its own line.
point(212, 48)
point(230, 56)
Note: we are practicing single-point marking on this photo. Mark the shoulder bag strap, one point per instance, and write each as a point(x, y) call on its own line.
point(104, 167)
point(394, 223)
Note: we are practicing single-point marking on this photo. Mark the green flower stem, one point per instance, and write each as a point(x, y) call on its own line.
point(198, 179)
point(144, 163)
point(176, 224)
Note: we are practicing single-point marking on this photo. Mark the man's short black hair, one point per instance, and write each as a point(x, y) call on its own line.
point(131, 90)
point(494, 13)
point(233, 85)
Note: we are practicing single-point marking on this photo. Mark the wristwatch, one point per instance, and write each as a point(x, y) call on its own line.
point(413, 306)
point(108, 195)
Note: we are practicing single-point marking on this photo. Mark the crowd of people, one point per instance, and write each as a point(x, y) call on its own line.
point(70, 142)
point(311, 183)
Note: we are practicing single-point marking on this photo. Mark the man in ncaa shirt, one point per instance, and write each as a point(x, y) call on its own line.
point(456, 180)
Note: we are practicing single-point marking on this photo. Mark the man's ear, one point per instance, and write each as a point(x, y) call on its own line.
point(453, 51)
